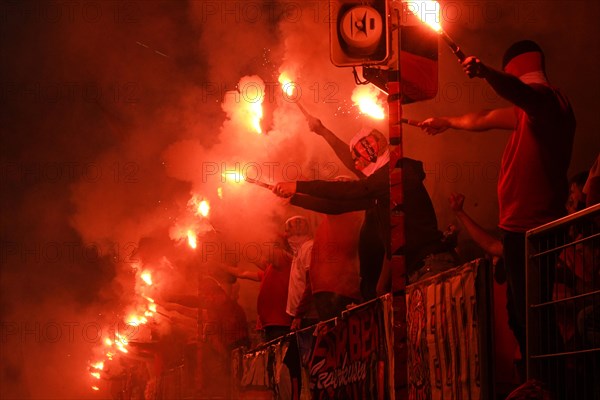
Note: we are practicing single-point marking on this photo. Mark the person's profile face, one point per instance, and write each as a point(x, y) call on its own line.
point(365, 151)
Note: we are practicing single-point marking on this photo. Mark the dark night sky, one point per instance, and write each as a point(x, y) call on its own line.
point(112, 112)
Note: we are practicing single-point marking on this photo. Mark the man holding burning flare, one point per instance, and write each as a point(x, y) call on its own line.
point(369, 159)
point(532, 185)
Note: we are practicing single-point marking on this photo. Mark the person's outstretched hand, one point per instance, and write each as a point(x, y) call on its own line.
point(474, 68)
point(315, 124)
point(285, 189)
point(434, 126)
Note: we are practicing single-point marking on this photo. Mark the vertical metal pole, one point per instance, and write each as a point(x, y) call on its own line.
point(398, 265)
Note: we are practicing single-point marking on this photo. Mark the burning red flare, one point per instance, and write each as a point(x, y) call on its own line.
point(252, 94)
point(204, 208)
point(146, 276)
point(192, 240)
point(288, 86)
point(99, 365)
point(200, 207)
point(121, 342)
point(367, 99)
point(256, 114)
point(233, 176)
point(428, 11)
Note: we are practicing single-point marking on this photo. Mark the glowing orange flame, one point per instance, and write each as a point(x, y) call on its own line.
point(98, 365)
point(200, 207)
point(367, 100)
point(192, 240)
point(256, 115)
point(204, 208)
point(135, 320)
point(220, 192)
point(108, 342)
point(147, 277)
point(234, 176)
point(121, 342)
point(428, 11)
point(152, 307)
point(148, 298)
point(251, 90)
point(95, 388)
point(287, 85)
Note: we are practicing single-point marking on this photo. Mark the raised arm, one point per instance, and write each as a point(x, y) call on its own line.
point(371, 188)
point(329, 206)
point(338, 145)
point(500, 118)
point(508, 86)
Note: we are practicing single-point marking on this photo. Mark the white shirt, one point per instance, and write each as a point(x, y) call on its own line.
point(299, 269)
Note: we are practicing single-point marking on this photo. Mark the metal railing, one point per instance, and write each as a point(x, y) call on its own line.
point(563, 324)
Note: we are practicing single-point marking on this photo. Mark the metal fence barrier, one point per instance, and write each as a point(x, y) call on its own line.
point(563, 327)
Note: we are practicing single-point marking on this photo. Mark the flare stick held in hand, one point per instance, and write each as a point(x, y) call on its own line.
point(306, 114)
point(407, 121)
point(259, 183)
point(411, 122)
point(455, 49)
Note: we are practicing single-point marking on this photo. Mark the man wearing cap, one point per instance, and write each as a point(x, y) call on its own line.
point(532, 184)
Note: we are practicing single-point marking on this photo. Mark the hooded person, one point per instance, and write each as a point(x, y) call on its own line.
point(369, 159)
point(532, 184)
point(370, 150)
